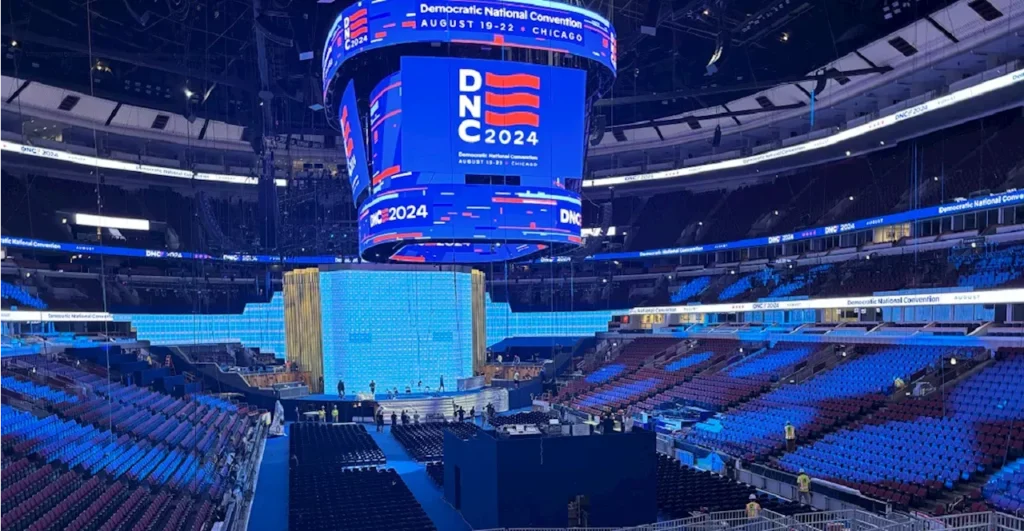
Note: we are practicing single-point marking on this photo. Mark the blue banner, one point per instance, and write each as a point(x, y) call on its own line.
point(464, 252)
point(532, 24)
point(355, 146)
point(472, 116)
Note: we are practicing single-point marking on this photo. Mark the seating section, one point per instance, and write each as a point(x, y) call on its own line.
point(355, 499)
point(630, 357)
point(745, 283)
point(1005, 489)
point(910, 451)
point(652, 368)
point(334, 445)
point(798, 282)
point(425, 442)
point(90, 453)
point(690, 290)
point(989, 269)
point(683, 491)
point(756, 428)
point(738, 382)
point(20, 296)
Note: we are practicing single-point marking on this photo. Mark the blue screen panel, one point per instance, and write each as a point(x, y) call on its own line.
point(471, 116)
point(386, 131)
point(396, 328)
point(464, 252)
point(461, 212)
point(355, 146)
point(536, 24)
point(260, 325)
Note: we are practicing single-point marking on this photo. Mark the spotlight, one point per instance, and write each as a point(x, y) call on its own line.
point(881, 142)
point(847, 153)
point(784, 37)
point(844, 353)
point(952, 361)
point(14, 43)
point(706, 12)
point(851, 198)
point(189, 93)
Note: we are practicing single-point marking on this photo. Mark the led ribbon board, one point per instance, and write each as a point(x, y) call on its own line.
point(472, 214)
point(533, 24)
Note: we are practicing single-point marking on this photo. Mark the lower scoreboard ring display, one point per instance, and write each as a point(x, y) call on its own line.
point(467, 223)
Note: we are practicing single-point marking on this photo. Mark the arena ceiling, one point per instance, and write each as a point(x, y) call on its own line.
point(239, 60)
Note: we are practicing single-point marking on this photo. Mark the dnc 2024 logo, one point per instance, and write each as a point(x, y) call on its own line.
point(498, 108)
point(356, 29)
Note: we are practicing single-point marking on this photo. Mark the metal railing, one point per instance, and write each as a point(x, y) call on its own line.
point(841, 520)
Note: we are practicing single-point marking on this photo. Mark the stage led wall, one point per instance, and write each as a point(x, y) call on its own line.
point(260, 325)
point(396, 328)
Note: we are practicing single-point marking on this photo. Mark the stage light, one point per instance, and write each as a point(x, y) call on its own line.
point(847, 153)
point(188, 93)
point(851, 198)
point(952, 361)
point(881, 142)
point(784, 37)
point(14, 43)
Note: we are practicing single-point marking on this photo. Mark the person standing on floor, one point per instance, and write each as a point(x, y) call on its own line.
point(341, 389)
point(394, 420)
point(440, 386)
point(803, 483)
point(334, 413)
point(373, 389)
point(790, 437)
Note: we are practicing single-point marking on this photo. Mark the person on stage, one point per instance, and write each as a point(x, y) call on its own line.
point(373, 389)
point(440, 386)
point(341, 389)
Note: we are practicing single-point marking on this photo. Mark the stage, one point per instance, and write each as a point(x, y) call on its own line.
point(352, 408)
point(383, 397)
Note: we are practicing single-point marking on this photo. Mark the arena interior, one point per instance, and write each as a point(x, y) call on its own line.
point(696, 265)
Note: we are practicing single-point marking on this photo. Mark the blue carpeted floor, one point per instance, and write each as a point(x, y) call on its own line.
point(430, 496)
point(270, 504)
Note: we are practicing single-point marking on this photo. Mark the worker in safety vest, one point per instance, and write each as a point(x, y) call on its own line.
point(803, 483)
point(334, 414)
point(753, 508)
point(790, 437)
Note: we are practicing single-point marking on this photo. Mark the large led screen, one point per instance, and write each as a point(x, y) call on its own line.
point(468, 213)
point(355, 146)
point(535, 24)
point(472, 116)
point(386, 131)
